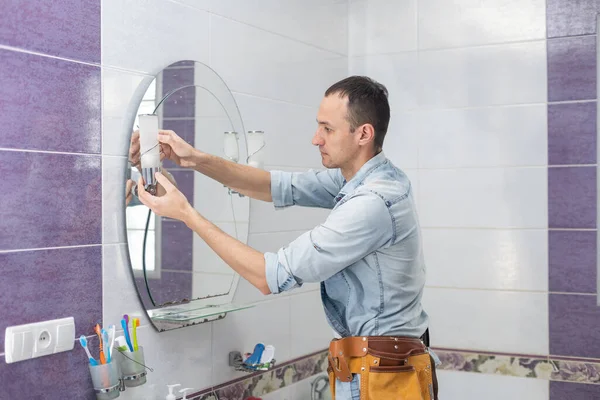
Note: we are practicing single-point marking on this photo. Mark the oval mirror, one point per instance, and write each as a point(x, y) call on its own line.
point(179, 279)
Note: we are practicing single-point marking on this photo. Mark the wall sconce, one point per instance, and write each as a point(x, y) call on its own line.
point(256, 142)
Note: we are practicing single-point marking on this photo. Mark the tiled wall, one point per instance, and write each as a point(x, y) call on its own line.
point(70, 75)
point(494, 119)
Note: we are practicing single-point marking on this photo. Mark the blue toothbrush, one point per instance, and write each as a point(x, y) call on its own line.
point(126, 331)
point(106, 344)
point(83, 341)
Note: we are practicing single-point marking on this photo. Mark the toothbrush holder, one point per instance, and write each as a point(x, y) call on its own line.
point(106, 379)
point(133, 367)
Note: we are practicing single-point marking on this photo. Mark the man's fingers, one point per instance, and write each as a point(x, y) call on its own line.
point(164, 182)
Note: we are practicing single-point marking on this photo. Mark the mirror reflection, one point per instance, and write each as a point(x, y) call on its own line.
point(179, 279)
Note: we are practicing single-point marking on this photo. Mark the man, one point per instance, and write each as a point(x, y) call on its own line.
point(367, 254)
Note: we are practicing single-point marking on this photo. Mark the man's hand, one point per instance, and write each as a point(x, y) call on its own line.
point(172, 204)
point(176, 149)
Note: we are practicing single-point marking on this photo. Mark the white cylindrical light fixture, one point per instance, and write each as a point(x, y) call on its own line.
point(230, 146)
point(149, 150)
point(256, 142)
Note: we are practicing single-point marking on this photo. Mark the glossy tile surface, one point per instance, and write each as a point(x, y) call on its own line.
point(51, 27)
point(467, 22)
point(572, 260)
point(571, 18)
point(572, 197)
point(50, 200)
point(573, 325)
point(572, 68)
point(49, 104)
point(572, 133)
point(49, 284)
point(483, 76)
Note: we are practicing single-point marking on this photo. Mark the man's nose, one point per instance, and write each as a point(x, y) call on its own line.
point(317, 140)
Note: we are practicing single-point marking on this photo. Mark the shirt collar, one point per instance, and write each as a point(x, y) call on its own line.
point(361, 175)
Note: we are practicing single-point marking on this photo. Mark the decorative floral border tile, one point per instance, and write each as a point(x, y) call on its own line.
point(266, 382)
point(259, 384)
point(581, 371)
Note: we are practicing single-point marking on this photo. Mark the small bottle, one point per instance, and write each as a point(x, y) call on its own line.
point(171, 396)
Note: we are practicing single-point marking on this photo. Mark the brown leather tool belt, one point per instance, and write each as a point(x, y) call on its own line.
point(390, 367)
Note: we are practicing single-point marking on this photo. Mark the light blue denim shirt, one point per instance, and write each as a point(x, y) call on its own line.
point(367, 254)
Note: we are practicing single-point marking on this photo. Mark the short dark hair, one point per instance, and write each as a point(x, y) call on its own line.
point(367, 104)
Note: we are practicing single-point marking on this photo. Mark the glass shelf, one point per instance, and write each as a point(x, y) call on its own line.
point(190, 312)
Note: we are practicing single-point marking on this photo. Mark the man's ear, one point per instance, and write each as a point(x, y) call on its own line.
point(367, 134)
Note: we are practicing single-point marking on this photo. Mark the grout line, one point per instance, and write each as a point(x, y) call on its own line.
point(51, 248)
point(508, 290)
point(50, 152)
point(315, 107)
point(37, 53)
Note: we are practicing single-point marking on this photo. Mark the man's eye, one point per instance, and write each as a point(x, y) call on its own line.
point(328, 129)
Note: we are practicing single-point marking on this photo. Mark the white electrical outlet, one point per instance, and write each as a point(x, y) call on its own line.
point(23, 342)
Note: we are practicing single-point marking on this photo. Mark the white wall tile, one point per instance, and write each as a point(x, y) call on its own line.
point(265, 218)
point(484, 198)
point(179, 356)
point(382, 26)
point(480, 76)
point(302, 390)
point(471, 22)
point(267, 323)
point(327, 19)
point(397, 72)
point(456, 385)
point(485, 320)
point(260, 63)
point(288, 128)
point(147, 37)
point(401, 141)
point(113, 199)
point(119, 295)
point(487, 258)
point(307, 311)
point(280, 394)
point(483, 137)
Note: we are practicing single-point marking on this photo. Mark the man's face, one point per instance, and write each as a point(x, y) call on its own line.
point(333, 137)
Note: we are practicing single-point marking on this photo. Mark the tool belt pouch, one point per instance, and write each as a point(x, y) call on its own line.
point(389, 367)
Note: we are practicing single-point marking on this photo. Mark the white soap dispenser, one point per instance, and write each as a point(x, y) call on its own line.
point(184, 393)
point(171, 396)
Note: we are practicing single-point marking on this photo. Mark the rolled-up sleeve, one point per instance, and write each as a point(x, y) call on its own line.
point(353, 230)
point(311, 188)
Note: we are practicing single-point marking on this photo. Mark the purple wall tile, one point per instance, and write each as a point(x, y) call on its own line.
point(185, 128)
point(66, 28)
point(173, 78)
point(172, 286)
point(573, 391)
point(185, 183)
point(574, 322)
point(572, 68)
point(49, 104)
point(572, 197)
point(48, 284)
point(176, 245)
point(50, 200)
point(180, 104)
point(572, 133)
point(572, 261)
point(59, 376)
point(571, 17)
